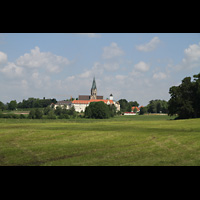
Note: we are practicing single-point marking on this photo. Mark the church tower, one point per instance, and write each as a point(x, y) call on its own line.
point(93, 90)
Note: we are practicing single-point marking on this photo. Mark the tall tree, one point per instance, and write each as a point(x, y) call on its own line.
point(2, 106)
point(157, 106)
point(123, 105)
point(12, 105)
point(185, 98)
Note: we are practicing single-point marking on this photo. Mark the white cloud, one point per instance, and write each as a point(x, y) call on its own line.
point(86, 74)
point(12, 70)
point(97, 69)
point(159, 76)
point(135, 73)
point(28, 74)
point(3, 58)
point(40, 81)
point(91, 35)
point(35, 75)
point(150, 46)
point(191, 56)
point(112, 51)
point(70, 78)
point(193, 52)
point(37, 59)
point(111, 66)
point(142, 66)
point(24, 84)
point(120, 77)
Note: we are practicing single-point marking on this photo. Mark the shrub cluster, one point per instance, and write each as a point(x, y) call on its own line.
point(50, 113)
point(12, 116)
point(99, 110)
point(44, 113)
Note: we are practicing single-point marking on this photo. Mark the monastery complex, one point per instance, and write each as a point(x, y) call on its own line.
point(84, 100)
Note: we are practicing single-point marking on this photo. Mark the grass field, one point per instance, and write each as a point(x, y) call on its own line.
point(123, 140)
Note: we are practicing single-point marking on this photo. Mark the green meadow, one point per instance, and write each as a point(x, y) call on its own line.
point(119, 141)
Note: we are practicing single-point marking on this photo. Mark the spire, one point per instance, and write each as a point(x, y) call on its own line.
point(94, 84)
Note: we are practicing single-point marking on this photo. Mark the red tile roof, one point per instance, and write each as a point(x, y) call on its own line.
point(136, 108)
point(92, 100)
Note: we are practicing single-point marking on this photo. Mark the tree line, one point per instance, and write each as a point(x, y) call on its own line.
point(51, 113)
point(154, 106)
point(29, 103)
point(184, 102)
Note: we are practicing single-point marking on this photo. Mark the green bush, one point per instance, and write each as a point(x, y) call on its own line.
point(35, 114)
point(64, 116)
point(11, 116)
point(31, 114)
point(97, 110)
point(22, 116)
point(38, 114)
point(51, 115)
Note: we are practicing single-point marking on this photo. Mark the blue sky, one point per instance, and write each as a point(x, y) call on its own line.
point(135, 66)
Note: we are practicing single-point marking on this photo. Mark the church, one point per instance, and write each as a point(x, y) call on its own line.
point(84, 100)
point(93, 93)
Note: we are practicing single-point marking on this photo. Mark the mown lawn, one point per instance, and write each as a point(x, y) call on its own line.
point(124, 140)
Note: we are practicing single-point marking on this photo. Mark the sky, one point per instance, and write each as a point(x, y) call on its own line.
point(133, 66)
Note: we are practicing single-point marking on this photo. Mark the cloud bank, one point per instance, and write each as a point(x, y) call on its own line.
point(150, 46)
point(44, 74)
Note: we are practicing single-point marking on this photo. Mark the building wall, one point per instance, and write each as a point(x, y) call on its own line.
point(80, 107)
point(129, 113)
point(117, 105)
point(93, 94)
point(62, 106)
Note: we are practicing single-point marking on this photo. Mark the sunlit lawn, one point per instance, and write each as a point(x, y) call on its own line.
point(124, 140)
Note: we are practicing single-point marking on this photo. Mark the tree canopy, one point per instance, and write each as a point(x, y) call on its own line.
point(126, 106)
point(12, 105)
point(36, 103)
point(185, 98)
point(157, 106)
point(98, 110)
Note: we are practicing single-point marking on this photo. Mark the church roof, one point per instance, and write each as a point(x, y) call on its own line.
point(63, 102)
point(94, 84)
point(87, 97)
point(84, 97)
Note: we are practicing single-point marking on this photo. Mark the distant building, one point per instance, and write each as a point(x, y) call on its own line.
point(63, 104)
point(93, 94)
point(80, 105)
point(129, 113)
point(135, 108)
point(84, 100)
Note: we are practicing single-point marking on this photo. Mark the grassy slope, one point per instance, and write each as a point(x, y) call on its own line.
point(126, 140)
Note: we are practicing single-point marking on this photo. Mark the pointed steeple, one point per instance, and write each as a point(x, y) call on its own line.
point(93, 90)
point(94, 84)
